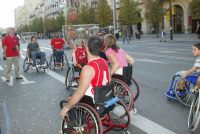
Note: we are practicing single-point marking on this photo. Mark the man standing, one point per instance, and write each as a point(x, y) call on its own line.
point(11, 49)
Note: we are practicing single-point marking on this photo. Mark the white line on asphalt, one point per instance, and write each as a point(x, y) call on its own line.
point(9, 83)
point(8, 125)
point(151, 61)
point(1, 68)
point(148, 126)
point(175, 52)
point(46, 48)
point(161, 56)
point(26, 81)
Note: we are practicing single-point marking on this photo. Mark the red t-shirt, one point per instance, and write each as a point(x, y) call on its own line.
point(11, 43)
point(81, 56)
point(57, 43)
point(101, 75)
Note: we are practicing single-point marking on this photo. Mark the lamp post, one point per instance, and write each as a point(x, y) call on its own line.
point(171, 21)
point(114, 15)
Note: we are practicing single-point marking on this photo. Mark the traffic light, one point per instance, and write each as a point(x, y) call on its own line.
point(173, 10)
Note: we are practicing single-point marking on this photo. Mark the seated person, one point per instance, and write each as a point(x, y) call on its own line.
point(116, 56)
point(33, 51)
point(190, 74)
point(79, 55)
point(95, 73)
point(57, 45)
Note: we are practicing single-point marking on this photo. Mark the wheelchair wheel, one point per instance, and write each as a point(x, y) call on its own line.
point(52, 62)
point(65, 62)
point(26, 65)
point(135, 88)
point(39, 68)
point(82, 119)
point(124, 93)
point(184, 96)
point(194, 115)
point(119, 117)
point(69, 77)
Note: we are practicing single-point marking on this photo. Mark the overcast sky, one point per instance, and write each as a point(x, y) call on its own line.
point(7, 12)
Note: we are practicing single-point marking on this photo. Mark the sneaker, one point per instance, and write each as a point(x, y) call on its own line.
point(43, 65)
point(33, 68)
point(7, 80)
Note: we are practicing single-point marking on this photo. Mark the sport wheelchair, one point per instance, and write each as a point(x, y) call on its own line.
point(53, 64)
point(194, 115)
point(28, 64)
point(184, 96)
point(126, 87)
point(106, 113)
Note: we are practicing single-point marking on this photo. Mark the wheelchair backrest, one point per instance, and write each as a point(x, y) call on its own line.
point(103, 93)
point(127, 73)
point(80, 55)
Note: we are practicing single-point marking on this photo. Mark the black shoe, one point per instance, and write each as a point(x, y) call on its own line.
point(7, 80)
point(19, 78)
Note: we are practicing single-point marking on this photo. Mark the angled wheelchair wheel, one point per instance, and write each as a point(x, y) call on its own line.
point(119, 117)
point(26, 65)
point(184, 96)
point(65, 62)
point(194, 115)
point(52, 62)
point(135, 88)
point(123, 91)
point(69, 79)
point(81, 119)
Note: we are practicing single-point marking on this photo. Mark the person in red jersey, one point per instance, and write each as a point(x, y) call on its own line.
point(11, 49)
point(57, 45)
point(95, 73)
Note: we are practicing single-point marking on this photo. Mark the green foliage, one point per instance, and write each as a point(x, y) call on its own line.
point(154, 12)
point(103, 14)
point(60, 20)
point(129, 12)
point(195, 7)
point(86, 15)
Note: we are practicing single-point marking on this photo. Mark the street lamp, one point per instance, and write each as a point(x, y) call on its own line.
point(171, 21)
point(64, 5)
point(114, 15)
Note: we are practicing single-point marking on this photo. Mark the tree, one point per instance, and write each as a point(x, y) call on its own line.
point(60, 20)
point(103, 14)
point(154, 13)
point(36, 25)
point(129, 12)
point(195, 7)
point(86, 15)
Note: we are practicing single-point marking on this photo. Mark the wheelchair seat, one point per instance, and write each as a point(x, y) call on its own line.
point(126, 76)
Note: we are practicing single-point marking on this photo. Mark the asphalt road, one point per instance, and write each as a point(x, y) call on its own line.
point(31, 106)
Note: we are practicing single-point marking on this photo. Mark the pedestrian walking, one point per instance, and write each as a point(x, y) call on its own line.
point(162, 35)
point(125, 34)
point(12, 53)
point(198, 30)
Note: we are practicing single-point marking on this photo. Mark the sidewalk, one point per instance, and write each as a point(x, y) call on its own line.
point(176, 37)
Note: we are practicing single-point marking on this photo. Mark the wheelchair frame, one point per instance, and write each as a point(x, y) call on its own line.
point(27, 63)
point(64, 63)
point(194, 114)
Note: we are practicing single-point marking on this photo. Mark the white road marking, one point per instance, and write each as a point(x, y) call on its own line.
point(161, 56)
point(26, 81)
point(1, 68)
point(175, 52)
point(46, 48)
point(148, 126)
point(9, 83)
point(151, 61)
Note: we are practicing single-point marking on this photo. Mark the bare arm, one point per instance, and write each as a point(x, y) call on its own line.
point(129, 59)
point(115, 64)
point(87, 75)
point(190, 71)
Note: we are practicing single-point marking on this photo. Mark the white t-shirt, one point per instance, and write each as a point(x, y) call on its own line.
point(197, 63)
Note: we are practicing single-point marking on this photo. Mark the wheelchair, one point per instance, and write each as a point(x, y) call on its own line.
point(28, 64)
point(194, 114)
point(108, 112)
point(72, 77)
point(53, 64)
point(184, 96)
point(126, 87)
